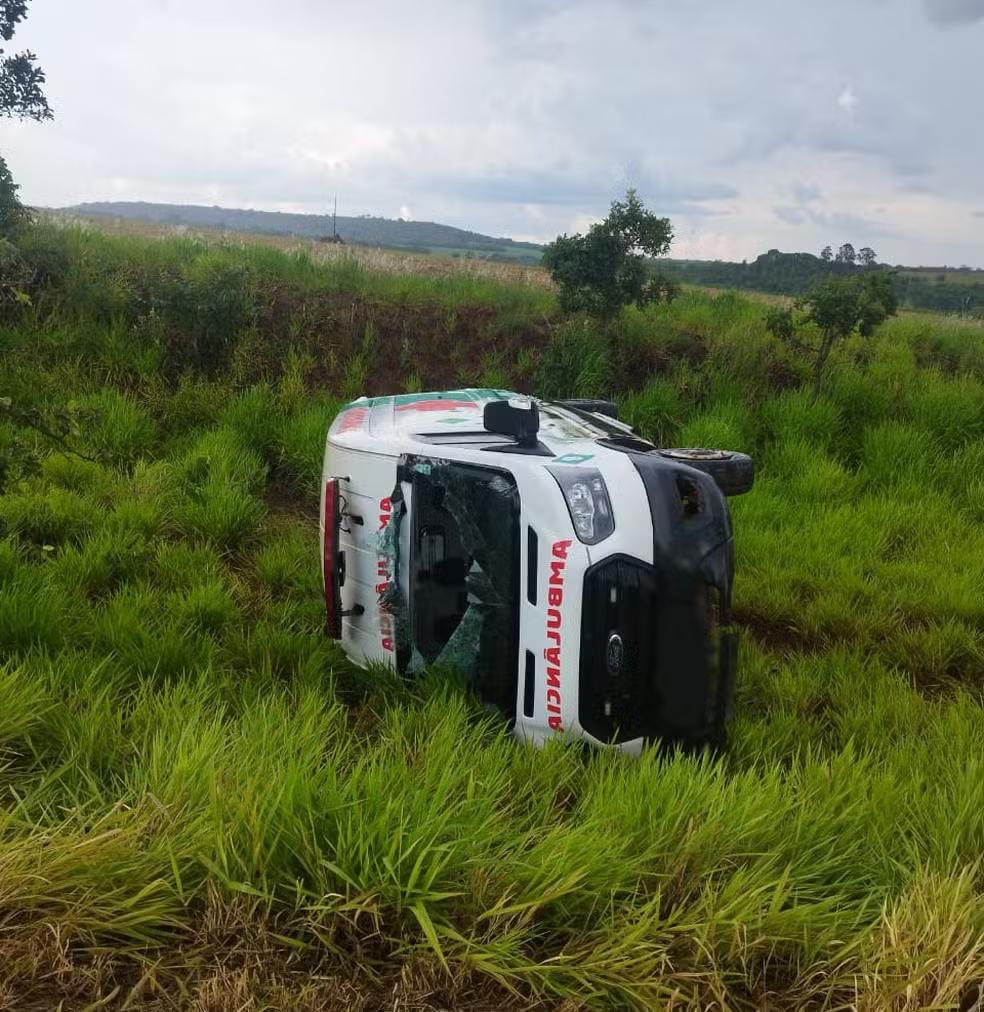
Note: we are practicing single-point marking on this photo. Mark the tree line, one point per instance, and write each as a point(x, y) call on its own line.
point(797, 273)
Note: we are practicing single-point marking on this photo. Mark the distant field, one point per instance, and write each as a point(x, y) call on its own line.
point(436, 263)
point(944, 275)
point(204, 805)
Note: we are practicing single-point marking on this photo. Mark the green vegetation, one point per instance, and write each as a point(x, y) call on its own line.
point(399, 234)
point(21, 96)
point(203, 805)
point(937, 290)
point(833, 310)
point(21, 78)
point(12, 212)
point(606, 269)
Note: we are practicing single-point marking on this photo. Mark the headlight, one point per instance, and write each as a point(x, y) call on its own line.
point(587, 500)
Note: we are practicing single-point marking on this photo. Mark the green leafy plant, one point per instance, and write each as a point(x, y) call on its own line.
point(61, 425)
point(13, 214)
point(21, 78)
point(833, 310)
point(605, 269)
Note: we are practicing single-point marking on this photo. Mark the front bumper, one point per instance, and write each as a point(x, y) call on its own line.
point(658, 655)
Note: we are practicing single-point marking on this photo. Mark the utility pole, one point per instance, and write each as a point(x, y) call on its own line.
point(334, 215)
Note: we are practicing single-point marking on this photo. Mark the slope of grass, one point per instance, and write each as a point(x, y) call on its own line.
point(203, 805)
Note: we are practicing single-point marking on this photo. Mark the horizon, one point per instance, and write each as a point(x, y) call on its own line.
point(505, 238)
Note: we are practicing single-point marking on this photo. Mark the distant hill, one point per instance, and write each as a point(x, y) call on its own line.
point(419, 236)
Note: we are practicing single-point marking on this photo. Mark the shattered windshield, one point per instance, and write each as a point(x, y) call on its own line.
point(464, 575)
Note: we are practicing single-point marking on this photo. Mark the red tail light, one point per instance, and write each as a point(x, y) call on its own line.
point(330, 562)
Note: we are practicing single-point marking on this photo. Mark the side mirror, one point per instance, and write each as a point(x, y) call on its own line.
point(511, 418)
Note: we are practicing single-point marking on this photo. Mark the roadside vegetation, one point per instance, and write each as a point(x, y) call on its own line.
point(203, 805)
point(950, 290)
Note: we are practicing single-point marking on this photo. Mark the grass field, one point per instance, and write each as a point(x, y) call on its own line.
point(202, 805)
point(950, 275)
point(439, 261)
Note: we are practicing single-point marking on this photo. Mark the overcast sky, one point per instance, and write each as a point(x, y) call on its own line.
point(752, 124)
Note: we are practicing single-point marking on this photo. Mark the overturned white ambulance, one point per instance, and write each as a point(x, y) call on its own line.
point(577, 577)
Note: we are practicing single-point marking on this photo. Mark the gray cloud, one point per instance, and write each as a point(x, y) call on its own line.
point(955, 12)
point(755, 125)
point(835, 224)
point(522, 186)
point(809, 207)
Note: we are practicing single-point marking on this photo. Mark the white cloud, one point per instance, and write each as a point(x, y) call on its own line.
point(847, 100)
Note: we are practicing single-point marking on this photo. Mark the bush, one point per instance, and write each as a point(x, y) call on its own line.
point(12, 212)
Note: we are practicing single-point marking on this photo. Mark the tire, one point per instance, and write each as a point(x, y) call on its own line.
point(597, 407)
point(733, 472)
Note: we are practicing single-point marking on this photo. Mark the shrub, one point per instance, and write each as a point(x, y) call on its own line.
point(210, 304)
point(12, 212)
point(834, 309)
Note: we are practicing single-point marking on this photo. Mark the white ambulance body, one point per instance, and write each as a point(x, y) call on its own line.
point(577, 578)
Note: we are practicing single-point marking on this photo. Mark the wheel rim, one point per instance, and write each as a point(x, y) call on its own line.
point(697, 453)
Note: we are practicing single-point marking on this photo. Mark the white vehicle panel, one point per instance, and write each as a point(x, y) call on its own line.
point(363, 449)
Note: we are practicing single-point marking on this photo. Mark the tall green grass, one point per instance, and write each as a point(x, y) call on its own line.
point(200, 797)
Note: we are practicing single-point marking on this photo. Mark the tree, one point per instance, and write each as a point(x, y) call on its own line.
point(606, 269)
point(834, 309)
point(11, 210)
point(867, 256)
point(20, 76)
point(826, 254)
point(846, 254)
point(20, 96)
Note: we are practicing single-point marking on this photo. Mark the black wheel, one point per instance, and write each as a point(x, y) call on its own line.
point(733, 472)
point(597, 407)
